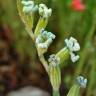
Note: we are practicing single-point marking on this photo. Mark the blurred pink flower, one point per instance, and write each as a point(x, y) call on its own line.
point(77, 5)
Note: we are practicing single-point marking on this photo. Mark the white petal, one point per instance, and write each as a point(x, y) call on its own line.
point(82, 81)
point(76, 47)
point(41, 45)
point(27, 3)
point(72, 44)
point(74, 57)
point(27, 8)
point(44, 11)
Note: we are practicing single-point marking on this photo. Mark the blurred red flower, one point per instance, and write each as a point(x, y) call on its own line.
point(77, 5)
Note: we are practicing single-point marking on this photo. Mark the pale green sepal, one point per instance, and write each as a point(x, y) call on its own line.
point(55, 77)
point(74, 91)
point(63, 54)
point(42, 23)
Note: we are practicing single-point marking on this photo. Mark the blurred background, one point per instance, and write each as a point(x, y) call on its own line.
point(20, 67)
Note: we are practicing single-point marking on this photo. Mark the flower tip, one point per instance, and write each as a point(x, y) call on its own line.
point(44, 39)
point(29, 6)
point(44, 11)
point(73, 46)
point(81, 81)
point(27, 2)
point(74, 57)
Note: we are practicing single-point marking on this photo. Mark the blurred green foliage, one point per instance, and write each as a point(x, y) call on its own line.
point(64, 22)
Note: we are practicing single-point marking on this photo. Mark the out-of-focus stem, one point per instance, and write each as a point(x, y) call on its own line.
point(61, 15)
point(84, 51)
point(92, 78)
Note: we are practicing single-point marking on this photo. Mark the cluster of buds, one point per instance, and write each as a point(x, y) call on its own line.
point(29, 6)
point(81, 81)
point(73, 46)
point(44, 11)
point(44, 39)
point(54, 60)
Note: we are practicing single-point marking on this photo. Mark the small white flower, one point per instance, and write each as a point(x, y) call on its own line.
point(27, 3)
point(74, 57)
point(42, 45)
point(73, 46)
point(44, 11)
point(29, 6)
point(44, 39)
point(54, 60)
point(81, 81)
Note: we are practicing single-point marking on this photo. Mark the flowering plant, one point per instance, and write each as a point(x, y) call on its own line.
point(42, 40)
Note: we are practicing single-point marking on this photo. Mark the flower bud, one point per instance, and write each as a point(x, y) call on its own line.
point(29, 6)
point(81, 81)
point(44, 11)
point(55, 77)
point(43, 40)
point(54, 72)
point(75, 89)
point(73, 46)
point(63, 54)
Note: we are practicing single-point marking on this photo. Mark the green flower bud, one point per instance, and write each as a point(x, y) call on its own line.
point(80, 83)
point(26, 18)
point(55, 77)
point(71, 46)
point(54, 72)
point(42, 23)
point(63, 54)
point(74, 91)
point(45, 13)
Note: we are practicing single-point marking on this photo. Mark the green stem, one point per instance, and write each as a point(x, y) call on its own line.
point(84, 52)
point(56, 93)
point(92, 78)
point(43, 61)
point(61, 14)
